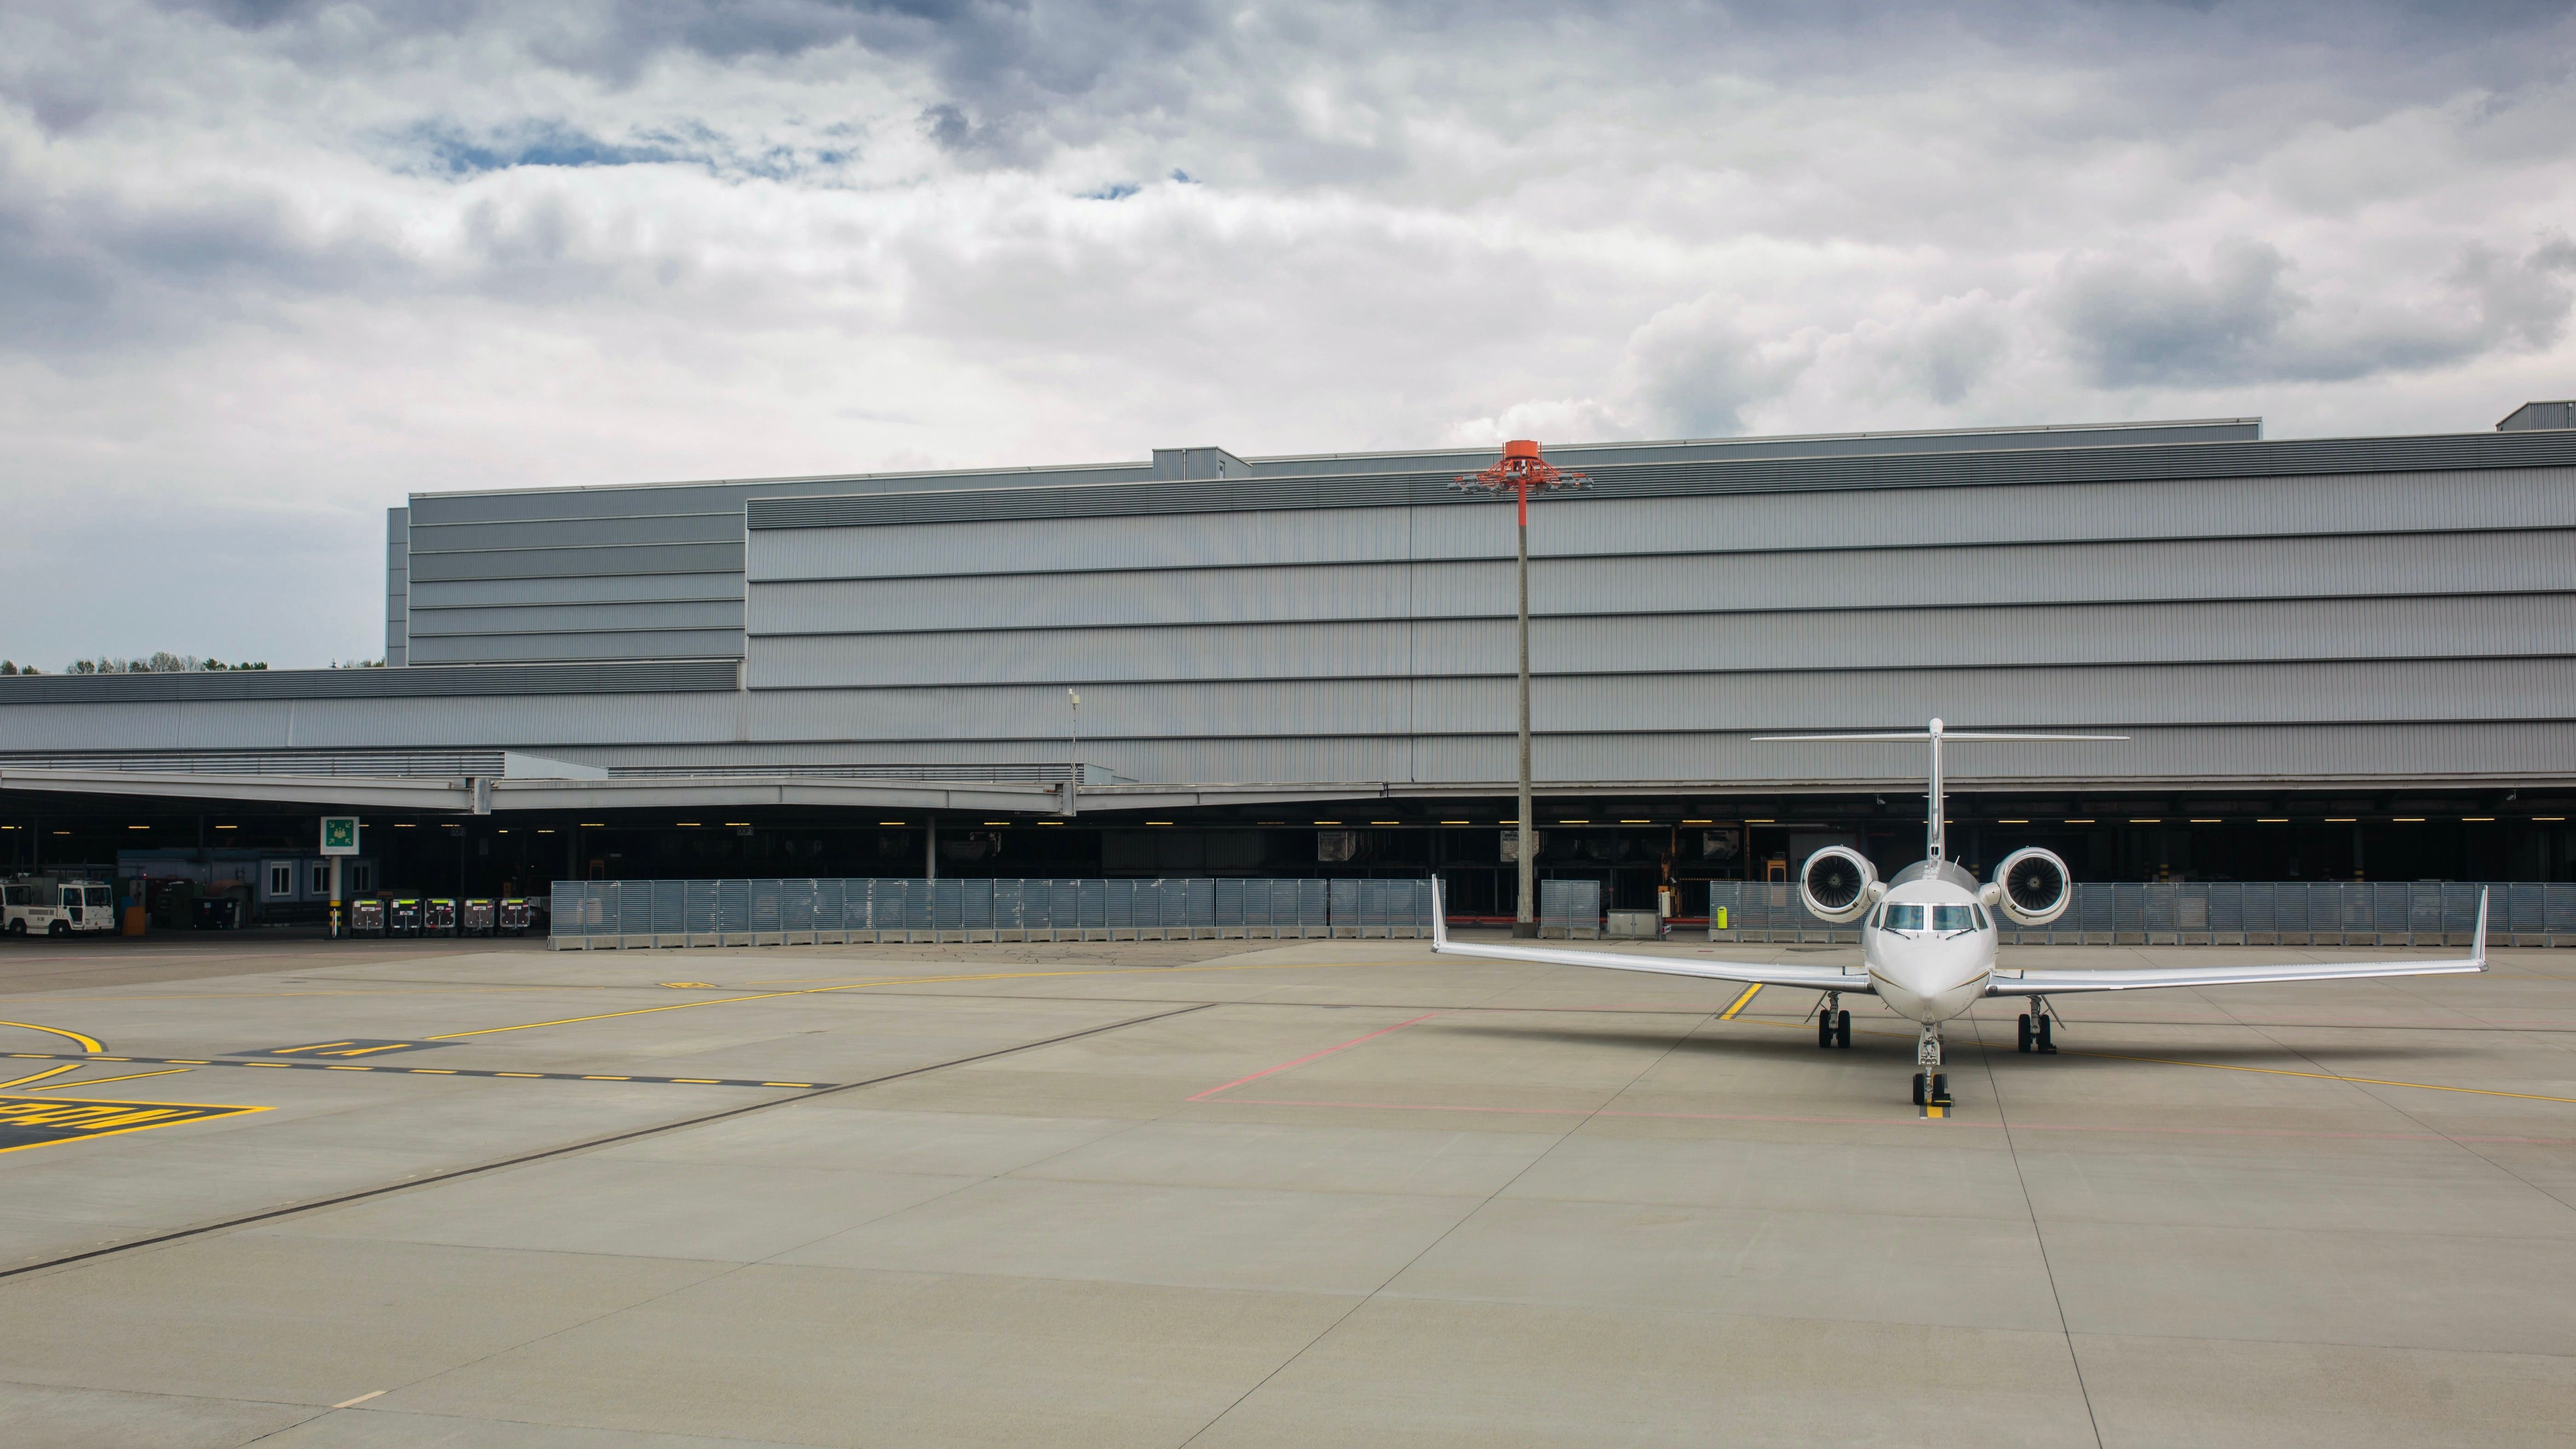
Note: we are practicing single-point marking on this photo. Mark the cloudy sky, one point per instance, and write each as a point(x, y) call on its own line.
point(267, 266)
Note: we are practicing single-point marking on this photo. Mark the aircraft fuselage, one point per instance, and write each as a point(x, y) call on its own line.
point(1929, 948)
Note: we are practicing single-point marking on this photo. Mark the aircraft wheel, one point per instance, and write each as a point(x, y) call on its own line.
point(1824, 1029)
point(1918, 1089)
point(2025, 1038)
point(1940, 1087)
point(1842, 1030)
point(2045, 1044)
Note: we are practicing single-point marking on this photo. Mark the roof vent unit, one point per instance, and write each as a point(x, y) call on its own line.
point(2526, 418)
point(1195, 463)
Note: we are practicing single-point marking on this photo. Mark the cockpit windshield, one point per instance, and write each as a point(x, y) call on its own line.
point(1939, 919)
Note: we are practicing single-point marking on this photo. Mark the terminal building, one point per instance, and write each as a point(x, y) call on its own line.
point(2333, 658)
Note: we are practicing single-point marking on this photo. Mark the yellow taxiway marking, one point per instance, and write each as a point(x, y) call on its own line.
point(360, 1399)
point(787, 1084)
point(2326, 1077)
point(103, 1081)
point(40, 1076)
point(428, 1071)
point(87, 1043)
point(1741, 1002)
point(629, 1079)
point(52, 1121)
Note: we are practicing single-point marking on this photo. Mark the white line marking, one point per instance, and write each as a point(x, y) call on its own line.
point(360, 1399)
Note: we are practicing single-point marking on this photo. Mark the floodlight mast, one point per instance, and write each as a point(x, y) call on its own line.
point(1520, 470)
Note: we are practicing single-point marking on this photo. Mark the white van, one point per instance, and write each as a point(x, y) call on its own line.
point(56, 907)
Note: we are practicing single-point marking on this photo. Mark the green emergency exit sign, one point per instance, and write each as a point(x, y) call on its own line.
point(339, 835)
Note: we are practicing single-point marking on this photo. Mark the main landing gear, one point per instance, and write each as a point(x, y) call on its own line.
point(1833, 1027)
point(1931, 1084)
point(2035, 1025)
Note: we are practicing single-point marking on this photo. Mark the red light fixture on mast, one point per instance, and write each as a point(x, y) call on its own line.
point(1520, 470)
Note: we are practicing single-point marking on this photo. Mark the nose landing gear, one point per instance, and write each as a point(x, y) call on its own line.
point(1931, 1085)
point(2035, 1025)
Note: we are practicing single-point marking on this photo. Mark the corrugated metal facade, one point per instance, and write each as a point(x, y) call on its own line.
point(397, 586)
point(2372, 611)
point(2251, 611)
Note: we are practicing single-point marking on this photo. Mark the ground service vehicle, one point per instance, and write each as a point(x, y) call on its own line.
point(48, 905)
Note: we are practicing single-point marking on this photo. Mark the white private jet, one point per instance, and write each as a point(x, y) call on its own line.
point(1928, 937)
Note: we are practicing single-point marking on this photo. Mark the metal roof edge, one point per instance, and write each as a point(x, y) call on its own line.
point(410, 681)
point(2089, 463)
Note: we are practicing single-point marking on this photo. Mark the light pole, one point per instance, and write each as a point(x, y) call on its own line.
point(1073, 738)
point(1521, 470)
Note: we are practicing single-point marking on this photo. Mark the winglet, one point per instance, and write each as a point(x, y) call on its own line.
point(2478, 946)
point(1439, 918)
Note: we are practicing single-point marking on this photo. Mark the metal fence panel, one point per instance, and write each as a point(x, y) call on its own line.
point(802, 911)
point(1566, 907)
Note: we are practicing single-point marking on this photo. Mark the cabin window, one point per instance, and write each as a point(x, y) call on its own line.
point(1905, 918)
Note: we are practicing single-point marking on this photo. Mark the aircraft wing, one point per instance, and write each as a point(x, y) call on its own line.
point(1810, 978)
point(2061, 983)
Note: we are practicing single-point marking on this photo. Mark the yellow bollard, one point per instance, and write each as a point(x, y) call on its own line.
point(1721, 918)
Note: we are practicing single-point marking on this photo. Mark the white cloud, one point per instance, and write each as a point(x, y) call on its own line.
point(266, 265)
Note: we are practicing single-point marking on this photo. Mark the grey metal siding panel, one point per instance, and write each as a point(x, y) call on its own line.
point(1458, 528)
point(2040, 696)
point(539, 724)
point(2532, 625)
point(417, 682)
point(674, 558)
point(2016, 574)
point(726, 495)
point(397, 585)
point(576, 618)
point(1046, 546)
point(635, 644)
point(578, 533)
point(578, 589)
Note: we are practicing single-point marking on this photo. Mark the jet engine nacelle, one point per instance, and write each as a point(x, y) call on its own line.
point(2031, 887)
point(1839, 884)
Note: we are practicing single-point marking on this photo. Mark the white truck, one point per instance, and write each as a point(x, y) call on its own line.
point(56, 906)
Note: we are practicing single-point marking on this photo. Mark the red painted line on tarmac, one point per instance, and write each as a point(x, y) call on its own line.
point(1882, 1121)
point(1310, 1056)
